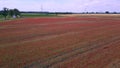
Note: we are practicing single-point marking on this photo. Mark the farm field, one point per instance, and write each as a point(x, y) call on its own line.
point(37, 15)
point(28, 15)
point(61, 42)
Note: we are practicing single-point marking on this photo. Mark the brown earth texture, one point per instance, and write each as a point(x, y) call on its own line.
point(82, 41)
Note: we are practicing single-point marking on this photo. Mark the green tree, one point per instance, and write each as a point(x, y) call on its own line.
point(0, 12)
point(107, 12)
point(16, 12)
point(11, 12)
point(5, 12)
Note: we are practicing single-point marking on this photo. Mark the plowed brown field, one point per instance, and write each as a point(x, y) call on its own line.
point(64, 42)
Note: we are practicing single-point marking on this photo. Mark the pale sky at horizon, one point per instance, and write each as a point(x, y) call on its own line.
point(63, 5)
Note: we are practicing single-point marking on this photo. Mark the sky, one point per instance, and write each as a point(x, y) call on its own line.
point(63, 5)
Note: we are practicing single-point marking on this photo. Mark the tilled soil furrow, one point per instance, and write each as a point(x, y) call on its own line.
point(29, 38)
point(62, 49)
point(53, 42)
point(60, 58)
point(50, 64)
point(75, 46)
point(96, 58)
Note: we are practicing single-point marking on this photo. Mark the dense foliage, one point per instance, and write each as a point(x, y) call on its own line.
point(12, 13)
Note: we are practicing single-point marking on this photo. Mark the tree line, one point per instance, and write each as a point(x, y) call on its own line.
point(13, 13)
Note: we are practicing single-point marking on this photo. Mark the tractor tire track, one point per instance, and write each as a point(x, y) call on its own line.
point(62, 57)
point(27, 38)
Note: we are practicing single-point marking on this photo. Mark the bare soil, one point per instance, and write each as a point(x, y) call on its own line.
point(61, 42)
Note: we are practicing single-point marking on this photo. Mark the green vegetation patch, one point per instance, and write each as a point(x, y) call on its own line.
point(37, 15)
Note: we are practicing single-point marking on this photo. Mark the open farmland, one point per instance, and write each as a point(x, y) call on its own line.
point(61, 42)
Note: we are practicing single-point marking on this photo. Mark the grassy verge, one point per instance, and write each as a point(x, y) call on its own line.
point(28, 15)
point(37, 15)
point(1, 18)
